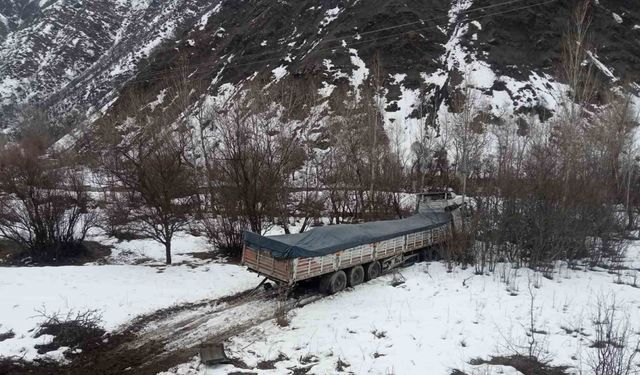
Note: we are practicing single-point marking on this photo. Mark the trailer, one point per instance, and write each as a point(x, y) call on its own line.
point(349, 254)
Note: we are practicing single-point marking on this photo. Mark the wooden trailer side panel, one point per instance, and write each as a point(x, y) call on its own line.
point(356, 255)
point(262, 262)
point(308, 267)
point(390, 247)
point(418, 240)
point(305, 268)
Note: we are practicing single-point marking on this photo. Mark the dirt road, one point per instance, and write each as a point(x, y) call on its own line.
point(168, 337)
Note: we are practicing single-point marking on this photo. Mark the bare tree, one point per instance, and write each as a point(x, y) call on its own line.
point(612, 139)
point(311, 200)
point(44, 202)
point(426, 144)
point(255, 156)
point(149, 164)
point(468, 132)
point(346, 170)
point(581, 77)
point(363, 172)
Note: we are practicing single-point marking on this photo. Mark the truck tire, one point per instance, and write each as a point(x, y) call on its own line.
point(356, 275)
point(373, 270)
point(334, 282)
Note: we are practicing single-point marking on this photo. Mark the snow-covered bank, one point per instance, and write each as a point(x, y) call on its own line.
point(149, 251)
point(435, 322)
point(119, 292)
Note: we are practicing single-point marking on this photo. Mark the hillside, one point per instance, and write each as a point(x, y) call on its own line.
point(65, 56)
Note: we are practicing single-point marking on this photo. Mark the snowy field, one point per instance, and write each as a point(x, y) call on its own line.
point(150, 252)
point(435, 322)
point(432, 322)
point(119, 291)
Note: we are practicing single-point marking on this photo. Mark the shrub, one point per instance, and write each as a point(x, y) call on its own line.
point(44, 202)
point(73, 330)
point(615, 345)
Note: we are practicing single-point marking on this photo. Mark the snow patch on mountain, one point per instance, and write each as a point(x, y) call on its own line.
point(603, 68)
point(87, 59)
point(360, 73)
point(279, 72)
point(475, 72)
point(8, 86)
point(330, 16)
point(202, 23)
point(617, 17)
point(401, 128)
point(326, 90)
point(81, 55)
point(333, 71)
point(165, 33)
point(540, 89)
point(438, 78)
point(159, 99)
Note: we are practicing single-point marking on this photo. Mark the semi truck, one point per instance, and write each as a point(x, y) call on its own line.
point(349, 254)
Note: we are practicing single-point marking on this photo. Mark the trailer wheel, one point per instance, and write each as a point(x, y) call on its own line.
point(334, 282)
point(374, 269)
point(356, 275)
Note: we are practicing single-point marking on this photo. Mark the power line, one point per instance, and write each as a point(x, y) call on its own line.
point(148, 78)
point(471, 19)
point(355, 36)
point(324, 41)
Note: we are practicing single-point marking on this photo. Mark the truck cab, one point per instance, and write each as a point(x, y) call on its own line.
point(441, 201)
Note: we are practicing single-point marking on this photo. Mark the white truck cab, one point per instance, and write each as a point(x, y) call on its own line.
point(441, 201)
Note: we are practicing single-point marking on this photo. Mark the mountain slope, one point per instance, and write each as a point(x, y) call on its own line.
point(74, 54)
point(69, 55)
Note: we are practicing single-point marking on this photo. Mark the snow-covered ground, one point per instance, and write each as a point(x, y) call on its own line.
point(435, 322)
point(632, 259)
point(148, 251)
point(119, 292)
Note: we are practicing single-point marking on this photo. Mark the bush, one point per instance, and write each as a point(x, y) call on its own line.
point(44, 202)
point(226, 233)
point(73, 330)
point(615, 345)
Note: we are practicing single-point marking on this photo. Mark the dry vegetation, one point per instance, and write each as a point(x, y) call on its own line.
point(548, 191)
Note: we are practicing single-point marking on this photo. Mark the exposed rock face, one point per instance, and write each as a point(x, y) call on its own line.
point(518, 42)
point(72, 54)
